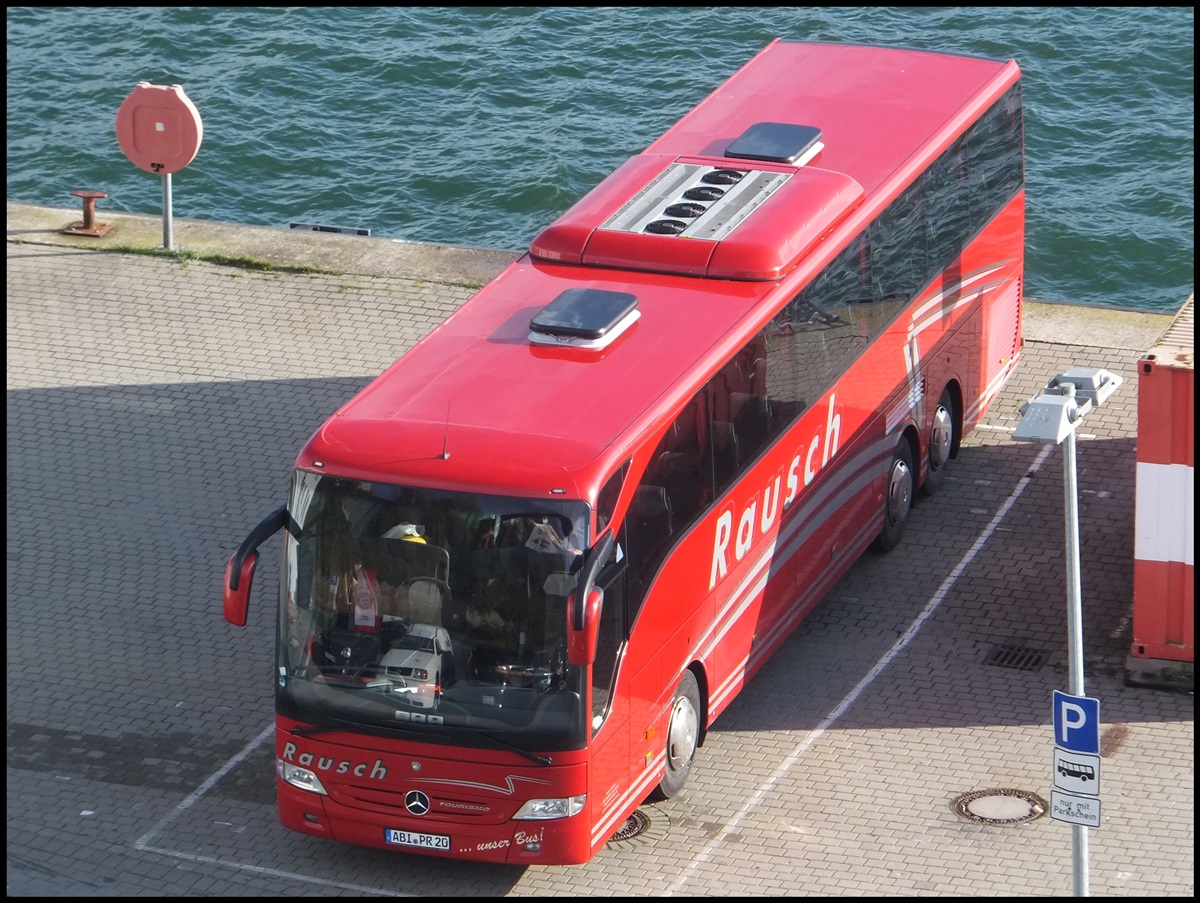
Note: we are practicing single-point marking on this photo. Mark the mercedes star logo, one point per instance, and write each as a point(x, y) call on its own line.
point(416, 802)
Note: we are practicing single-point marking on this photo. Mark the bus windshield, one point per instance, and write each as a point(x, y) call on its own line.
point(426, 610)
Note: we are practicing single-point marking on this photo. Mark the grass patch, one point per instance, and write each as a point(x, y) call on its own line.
point(185, 256)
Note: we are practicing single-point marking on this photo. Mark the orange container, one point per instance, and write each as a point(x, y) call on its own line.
point(1164, 537)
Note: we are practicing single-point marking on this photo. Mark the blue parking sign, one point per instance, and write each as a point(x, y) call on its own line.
point(1077, 723)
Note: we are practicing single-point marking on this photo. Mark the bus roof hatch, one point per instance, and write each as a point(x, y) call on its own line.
point(777, 142)
point(588, 318)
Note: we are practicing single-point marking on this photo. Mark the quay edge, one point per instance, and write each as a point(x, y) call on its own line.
point(1045, 321)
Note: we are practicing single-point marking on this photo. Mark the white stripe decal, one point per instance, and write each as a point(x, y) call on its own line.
point(1164, 513)
point(607, 826)
point(931, 310)
point(790, 619)
point(746, 593)
point(992, 390)
point(848, 481)
point(923, 318)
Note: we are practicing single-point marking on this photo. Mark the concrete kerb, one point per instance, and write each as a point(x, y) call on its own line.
point(1052, 322)
point(271, 247)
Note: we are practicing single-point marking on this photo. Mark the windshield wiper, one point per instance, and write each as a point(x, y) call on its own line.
point(531, 756)
point(376, 728)
point(379, 728)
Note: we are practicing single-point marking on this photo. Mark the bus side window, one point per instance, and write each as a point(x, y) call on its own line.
point(649, 526)
point(614, 629)
point(725, 454)
point(677, 465)
point(606, 503)
point(680, 475)
point(751, 417)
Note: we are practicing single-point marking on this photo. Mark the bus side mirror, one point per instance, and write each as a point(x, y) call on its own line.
point(239, 571)
point(596, 560)
point(581, 644)
point(236, 594)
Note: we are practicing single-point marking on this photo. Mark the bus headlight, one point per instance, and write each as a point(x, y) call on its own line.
point(557, 808)
point(300, 777)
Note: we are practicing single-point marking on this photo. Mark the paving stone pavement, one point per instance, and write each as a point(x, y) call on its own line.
point(154, 410)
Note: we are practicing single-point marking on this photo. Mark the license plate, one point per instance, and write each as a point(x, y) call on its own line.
point(414, 839)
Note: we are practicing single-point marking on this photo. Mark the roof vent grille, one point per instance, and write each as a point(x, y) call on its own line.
point(703, 193)
point(722, 177)
point(685, 200)
point(665, 227)
point(689, 210)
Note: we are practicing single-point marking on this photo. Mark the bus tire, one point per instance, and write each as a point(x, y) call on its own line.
point(683, 737)
point(898, 498)
point(943, 434)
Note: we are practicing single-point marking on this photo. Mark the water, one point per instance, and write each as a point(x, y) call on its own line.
point(477, 127)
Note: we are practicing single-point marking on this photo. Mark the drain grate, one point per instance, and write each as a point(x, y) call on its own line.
point(1015, 657)
point(634, 826)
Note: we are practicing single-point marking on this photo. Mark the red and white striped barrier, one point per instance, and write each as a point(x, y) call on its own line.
point(1164, 536)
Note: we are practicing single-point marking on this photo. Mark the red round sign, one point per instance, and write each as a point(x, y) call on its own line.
point(158, 128)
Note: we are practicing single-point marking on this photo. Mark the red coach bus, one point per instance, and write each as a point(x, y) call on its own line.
point(526, 567)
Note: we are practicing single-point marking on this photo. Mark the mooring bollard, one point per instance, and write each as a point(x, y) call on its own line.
point(88, 226)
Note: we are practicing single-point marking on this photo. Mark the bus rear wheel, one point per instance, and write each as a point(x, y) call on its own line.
point(683, 737)
point(942, 436)
point(899, 497)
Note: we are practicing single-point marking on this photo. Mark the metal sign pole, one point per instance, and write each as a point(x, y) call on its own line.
point(1054, 416)
point(1079, 836)
point(168, 238)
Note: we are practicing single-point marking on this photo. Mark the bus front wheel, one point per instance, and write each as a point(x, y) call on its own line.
point(683, 737)
point(899, 496)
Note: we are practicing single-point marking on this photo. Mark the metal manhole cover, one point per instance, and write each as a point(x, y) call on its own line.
point(634, 826)
point(1000, 806)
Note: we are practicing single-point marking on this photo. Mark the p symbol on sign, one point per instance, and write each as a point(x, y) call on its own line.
point(1077, 723)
